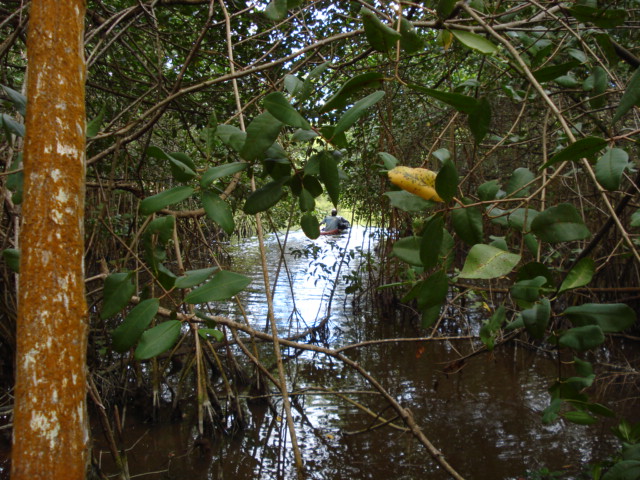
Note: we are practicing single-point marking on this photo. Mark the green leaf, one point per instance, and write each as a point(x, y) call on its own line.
point(431, 242)
point(15, 181)
point(280, 108)
point(583, 338)
point(218, 210)
point(306, 201)
point(578, 276)
point(552, 72)
point(214, 332)
point(480, 120)
point(485, 262)
point(635, 219)
point(433, 290)
point(610, 317)
point(293, 84)
point(11, 257)
point(533, 270)
point(388, 160)
point(587, 147)
point(18, 100)
point(352, 115)
point(475, 42)
point(161, 200)
point(445, 8)
point(408, 250)
point(408, 202)
point(624, 470)
point(467, 223)
point(527, 292)
point(579, 417)
point(603, 17)
point(630, 97)
point(12, 126)
point(220, 171)
point(491, 326)
point(276, 10)
point(521, 218)
point(330, 176)
point(158, 340)
point(222, 286)
point(380, 36)
point(462, 103)
point(182, 167)
point(118, 290)
point(447, 181)
point(488, 190)
point(93, 126)
point(262, 132)
point(350, 87)
point(442, 154)
point(310, 226)
point(194, 277)
point(139, 318)
point(231, 136)
point(410, 41)
point(519, 178)
point(610, 167)
point(561, 223)
point(536, 318)
point(265, 197)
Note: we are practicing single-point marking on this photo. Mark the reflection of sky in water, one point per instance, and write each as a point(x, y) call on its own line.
point(486, 419)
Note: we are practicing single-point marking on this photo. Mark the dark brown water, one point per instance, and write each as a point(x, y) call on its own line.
point(486, 419)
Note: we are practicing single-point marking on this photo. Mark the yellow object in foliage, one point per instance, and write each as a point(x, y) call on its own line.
point(419, 181)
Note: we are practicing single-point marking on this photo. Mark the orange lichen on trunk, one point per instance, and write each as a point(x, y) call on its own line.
point(50, 420)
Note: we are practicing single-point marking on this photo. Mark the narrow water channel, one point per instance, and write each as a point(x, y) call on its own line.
point(485, 419)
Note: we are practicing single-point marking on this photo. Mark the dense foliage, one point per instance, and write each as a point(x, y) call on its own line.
point(208, 119)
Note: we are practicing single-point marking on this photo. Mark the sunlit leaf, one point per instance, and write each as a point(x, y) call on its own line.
point(218, 210)
point(578, 276)
point(139, 318)
point(163, 199)
point(561, 223)
point(610, 167)
point(118, 290)
point(475, 42)
point(485, 262)
point(222, 286)
point(158, 340)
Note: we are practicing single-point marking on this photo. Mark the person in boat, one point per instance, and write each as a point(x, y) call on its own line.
point(334, 223)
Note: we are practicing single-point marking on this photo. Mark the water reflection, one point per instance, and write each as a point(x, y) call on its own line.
point(486, 419)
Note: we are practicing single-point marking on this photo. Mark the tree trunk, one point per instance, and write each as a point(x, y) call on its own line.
point(50, 438)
